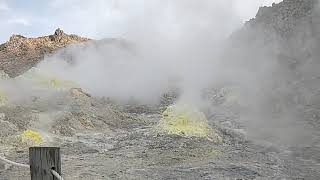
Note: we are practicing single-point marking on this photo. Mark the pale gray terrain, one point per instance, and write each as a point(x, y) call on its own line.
point(109, 144)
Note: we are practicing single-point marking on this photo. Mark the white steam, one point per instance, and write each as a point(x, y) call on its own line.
point(164, 40)
point(167, 44)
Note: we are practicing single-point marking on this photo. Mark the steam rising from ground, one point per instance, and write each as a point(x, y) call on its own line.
point(164, 41)
point(178, 44)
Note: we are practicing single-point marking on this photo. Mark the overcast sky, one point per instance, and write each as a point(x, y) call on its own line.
point(94, 18)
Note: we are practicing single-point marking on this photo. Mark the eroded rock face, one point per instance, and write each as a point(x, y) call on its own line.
point(286, 39)
point(289, 29)
point(19, 54)
point(285, 16)
point(281, 48)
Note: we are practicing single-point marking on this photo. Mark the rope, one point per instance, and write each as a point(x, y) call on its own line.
point(14, 163)
point(54, 173)
point(57, 175)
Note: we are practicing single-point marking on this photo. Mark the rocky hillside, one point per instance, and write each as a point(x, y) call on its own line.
point(285, 16)
point(19, 54)
point(280, 49)
point(286, 36)
point(275, 59)
point(290, 29)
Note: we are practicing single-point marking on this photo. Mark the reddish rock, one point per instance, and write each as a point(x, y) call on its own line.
point(19, 54)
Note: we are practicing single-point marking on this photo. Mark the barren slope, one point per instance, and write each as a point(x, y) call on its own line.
point(19, 54)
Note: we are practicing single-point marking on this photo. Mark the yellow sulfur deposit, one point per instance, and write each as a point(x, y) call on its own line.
point(30, 137)
point(184, 120)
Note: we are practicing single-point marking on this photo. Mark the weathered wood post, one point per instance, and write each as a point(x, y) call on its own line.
point(42, 161)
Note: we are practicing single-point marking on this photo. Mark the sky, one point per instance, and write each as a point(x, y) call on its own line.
point(95, 19)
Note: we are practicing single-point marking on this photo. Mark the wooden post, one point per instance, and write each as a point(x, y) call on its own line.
point(42, 161)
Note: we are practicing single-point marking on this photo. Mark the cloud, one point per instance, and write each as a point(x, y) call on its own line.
point(110, 18)
point(105, 18)
point(19, 21)
point(3, 6)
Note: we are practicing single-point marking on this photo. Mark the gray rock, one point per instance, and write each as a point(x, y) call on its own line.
point(7, 128)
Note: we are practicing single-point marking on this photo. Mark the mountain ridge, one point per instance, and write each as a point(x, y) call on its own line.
point(20, 53)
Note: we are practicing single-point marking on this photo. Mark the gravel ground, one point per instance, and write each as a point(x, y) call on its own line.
point(99, 142)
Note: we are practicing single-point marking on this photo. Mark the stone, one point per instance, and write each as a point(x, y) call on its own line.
point(7, 128)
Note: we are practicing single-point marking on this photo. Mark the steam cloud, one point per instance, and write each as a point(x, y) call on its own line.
point(182, 44)
point(166, 39)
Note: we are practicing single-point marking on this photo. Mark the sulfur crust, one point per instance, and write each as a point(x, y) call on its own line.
point(184, 120)
point(31, 137)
